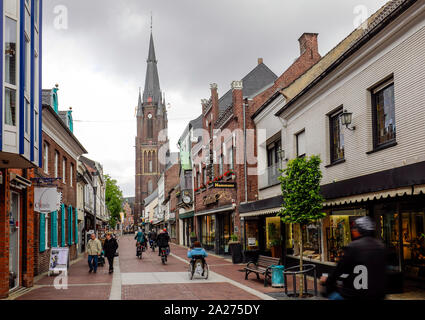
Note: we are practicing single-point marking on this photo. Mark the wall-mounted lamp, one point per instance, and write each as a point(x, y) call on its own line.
point(347, 118)
point(281, 154)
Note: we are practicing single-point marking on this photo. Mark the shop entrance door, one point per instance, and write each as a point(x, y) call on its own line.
point(14, 241)
point(413, 244)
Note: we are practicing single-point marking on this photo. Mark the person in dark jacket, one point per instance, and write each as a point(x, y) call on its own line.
point(110, 248)
point(362, 267)
point(163, 240)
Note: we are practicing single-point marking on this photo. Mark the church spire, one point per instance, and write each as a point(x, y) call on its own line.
point(140, 104)
point(152, 92)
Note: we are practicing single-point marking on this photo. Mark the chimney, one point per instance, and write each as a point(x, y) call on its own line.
point(214, 101)
point(308, 42)
point(237, 95)
point(260, 60)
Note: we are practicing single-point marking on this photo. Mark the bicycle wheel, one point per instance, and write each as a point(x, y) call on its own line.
point(191, 271)
point(206, 271)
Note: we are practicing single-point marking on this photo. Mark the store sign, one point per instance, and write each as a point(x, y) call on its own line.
point(47, 200)
point(211, 199)
point(225, 185)
point(252, 242)
point(59, 259)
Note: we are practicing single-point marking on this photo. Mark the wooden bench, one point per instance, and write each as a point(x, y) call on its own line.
point(261, 267)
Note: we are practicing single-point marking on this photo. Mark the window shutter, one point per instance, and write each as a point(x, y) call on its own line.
point(63, 225)
point(54, 233)
point(76, 226)
point(70, 226)
point(42, 232)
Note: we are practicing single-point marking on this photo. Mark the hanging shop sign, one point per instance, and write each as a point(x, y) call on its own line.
point(225, 185)
point(47, 200)
point(59, 260)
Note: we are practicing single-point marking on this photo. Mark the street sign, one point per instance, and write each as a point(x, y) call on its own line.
point(46, 200)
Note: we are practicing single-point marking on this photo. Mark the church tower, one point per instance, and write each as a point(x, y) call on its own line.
point(151, 121)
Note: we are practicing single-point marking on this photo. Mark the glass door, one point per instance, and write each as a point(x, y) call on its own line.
point(14, 241)
point(413, 240)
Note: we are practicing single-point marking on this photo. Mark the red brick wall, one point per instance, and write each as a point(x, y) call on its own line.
point(26, 276)
point(69, 198)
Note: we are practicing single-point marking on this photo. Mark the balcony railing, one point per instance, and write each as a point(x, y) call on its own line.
point(269, 177)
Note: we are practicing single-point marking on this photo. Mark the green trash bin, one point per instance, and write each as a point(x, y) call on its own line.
point(277, 276)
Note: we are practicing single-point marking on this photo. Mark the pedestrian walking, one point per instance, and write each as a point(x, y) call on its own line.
point(94, 250)
point(362, 266)
point(110, 248)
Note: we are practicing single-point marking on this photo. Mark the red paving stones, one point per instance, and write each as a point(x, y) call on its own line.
point(150, 261)
point(195, 291)
point(98, 292)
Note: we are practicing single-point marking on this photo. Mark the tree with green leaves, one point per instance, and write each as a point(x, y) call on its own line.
point(302, 201)
point(114, 200)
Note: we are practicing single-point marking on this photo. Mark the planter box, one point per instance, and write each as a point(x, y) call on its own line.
point(235, 249)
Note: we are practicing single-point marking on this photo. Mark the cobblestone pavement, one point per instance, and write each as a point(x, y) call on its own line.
point(149, 279)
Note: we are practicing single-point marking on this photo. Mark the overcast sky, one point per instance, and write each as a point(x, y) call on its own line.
point(98, 57)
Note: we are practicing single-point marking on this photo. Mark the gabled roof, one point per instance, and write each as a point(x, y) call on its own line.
point(353, 42)
point(259, 77)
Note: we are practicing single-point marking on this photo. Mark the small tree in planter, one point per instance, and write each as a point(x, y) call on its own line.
point(302, 201)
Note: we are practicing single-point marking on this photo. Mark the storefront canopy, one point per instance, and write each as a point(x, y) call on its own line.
point(375, 196)
point(261, 212)
point(186, 215)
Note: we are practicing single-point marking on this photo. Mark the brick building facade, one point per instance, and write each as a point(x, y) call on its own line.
point(61, 150)
point(151, 135)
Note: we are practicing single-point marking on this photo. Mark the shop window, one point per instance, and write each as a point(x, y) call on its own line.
point(64, 170)
point(311, 236)
point(252, 235)
point(383, 112)
point(338, 227)
point(208, 232)
point(273, 232)
point(336, 136)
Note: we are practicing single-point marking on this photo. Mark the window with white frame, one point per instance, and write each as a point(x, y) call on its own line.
point(64, 170)
point(301, 149)
point(10, 56)
point(46, 158)
point(71, 174)
point(56, 164)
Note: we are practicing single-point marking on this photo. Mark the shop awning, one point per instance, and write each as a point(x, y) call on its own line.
point(261, 212)
point(187, 215)
point(370, 196)
point(215, 210)
point(157, 222)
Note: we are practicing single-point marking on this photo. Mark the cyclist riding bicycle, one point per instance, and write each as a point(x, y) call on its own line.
point(163, 240)
point(197, 253)
point(152, 238)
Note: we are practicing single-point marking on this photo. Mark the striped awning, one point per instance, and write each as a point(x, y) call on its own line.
point(370, 196)
point(261, 212)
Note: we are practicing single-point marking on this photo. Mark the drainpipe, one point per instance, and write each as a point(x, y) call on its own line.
point(24, 226)
point(245, 104)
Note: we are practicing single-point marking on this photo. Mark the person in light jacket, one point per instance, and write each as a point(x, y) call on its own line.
point(94, 250)
point(196, 252)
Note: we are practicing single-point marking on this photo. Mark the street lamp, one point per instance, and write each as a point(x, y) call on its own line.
point(346, 119)
point(95, 174)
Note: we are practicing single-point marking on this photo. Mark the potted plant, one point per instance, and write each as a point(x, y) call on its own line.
point(235, 248)
point(303, 202)
point(274, 241)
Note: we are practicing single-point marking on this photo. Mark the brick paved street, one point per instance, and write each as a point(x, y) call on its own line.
point(149, 279)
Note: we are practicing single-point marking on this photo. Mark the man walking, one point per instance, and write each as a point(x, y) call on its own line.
point(94, 249)
point(110, 247)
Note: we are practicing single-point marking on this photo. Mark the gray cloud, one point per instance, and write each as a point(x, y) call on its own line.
point(100, 60)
